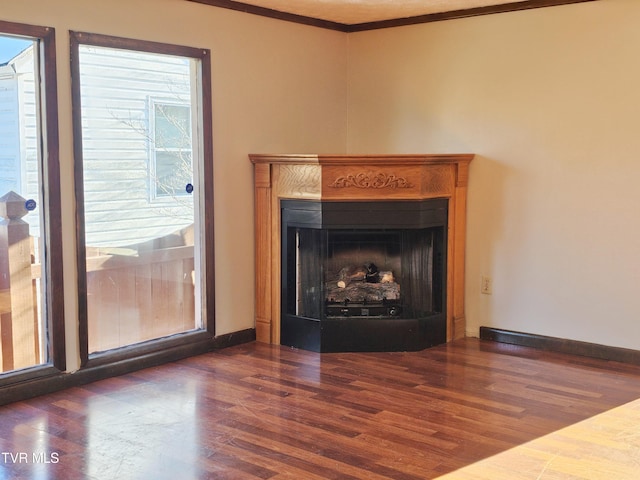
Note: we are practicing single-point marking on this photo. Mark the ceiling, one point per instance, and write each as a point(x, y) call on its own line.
point(355, 15)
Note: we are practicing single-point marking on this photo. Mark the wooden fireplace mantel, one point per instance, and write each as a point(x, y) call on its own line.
point(354, 178)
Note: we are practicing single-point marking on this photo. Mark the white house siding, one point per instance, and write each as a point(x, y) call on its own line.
point(19, 132)
point(28, 124)
point(117, 86)
point(9, 131)
point(116, 89)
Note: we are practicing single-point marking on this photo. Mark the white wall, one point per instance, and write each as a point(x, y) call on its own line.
point(276, 87)
point(549, 100)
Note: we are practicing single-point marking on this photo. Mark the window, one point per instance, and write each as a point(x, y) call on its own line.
point(145, 251)
point(31, 296)
point(171, 144)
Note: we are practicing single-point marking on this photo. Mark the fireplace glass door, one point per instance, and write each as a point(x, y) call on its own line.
point(362, 287)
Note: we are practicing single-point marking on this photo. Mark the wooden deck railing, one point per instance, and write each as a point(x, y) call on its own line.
point(139, 296)
point(135, 294)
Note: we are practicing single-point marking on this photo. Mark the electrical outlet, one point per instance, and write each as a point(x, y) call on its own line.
point(486, 285)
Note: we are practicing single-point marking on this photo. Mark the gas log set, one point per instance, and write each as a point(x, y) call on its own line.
point(362, 291)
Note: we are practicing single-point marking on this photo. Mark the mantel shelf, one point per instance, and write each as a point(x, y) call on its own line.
point(321, 159)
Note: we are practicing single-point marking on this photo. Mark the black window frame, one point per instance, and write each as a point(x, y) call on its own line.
point(180, 345)
point(45, 40)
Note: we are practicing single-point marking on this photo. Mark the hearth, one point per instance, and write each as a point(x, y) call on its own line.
point(360, 252)
point(363, 276)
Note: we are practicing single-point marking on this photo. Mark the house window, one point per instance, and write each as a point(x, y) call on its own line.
point(143, 188)
point(32, 341)
point(171, 149)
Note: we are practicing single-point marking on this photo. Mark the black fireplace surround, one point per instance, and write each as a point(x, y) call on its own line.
point(363, 276)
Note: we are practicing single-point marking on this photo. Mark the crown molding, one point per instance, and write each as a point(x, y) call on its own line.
point(267, 12)
point(398, 22)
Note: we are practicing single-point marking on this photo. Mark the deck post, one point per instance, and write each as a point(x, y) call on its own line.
point(18, 337)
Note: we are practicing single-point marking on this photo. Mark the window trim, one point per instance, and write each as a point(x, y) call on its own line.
point(49, 165)
point(204, 192)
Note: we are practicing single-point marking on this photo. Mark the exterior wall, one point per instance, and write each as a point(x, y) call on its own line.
point(9, 145)
point(119, 208)
point(28, 124)
point(548, 100)
point(18, 124)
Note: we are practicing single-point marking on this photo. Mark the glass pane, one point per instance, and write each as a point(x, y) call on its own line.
point(173, 126)
point(22, 322)
point(173, 172)
point(139, 245)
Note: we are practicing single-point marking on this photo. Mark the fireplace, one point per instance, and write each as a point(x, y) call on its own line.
point(360, 252)
point(363, 276)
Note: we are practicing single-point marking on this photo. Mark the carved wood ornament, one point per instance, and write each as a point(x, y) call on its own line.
point(371, 180)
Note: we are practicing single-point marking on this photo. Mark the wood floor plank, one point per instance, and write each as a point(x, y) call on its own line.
point(469, 409)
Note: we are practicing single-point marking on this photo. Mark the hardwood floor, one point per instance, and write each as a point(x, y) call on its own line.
point(257, 411)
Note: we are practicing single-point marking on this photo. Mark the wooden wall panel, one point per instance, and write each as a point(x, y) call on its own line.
point(298, 181)
point(263, 253)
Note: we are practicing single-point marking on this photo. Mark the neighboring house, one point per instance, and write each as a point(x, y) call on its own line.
point(18, 135)
point(136, 135)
